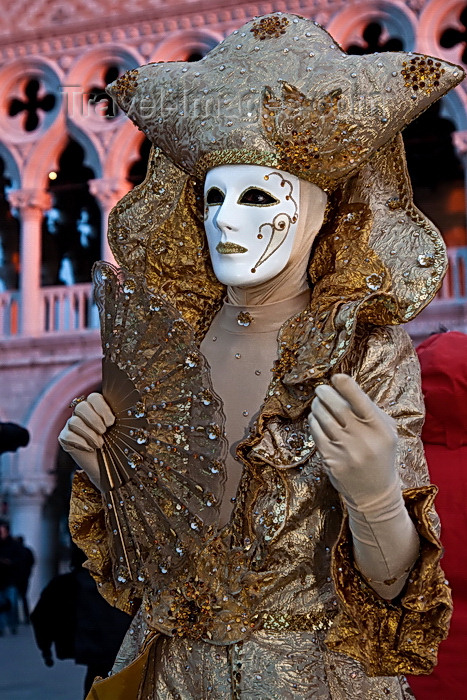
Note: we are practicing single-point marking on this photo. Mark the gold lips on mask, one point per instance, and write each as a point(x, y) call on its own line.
point(228, 248)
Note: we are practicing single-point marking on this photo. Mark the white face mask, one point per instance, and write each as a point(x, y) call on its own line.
point(251, 215)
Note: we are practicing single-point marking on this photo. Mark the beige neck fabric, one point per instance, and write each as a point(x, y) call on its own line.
point(241, 358)
point(241, 344)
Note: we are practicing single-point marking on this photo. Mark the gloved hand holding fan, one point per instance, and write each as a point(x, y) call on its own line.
point(157, 431)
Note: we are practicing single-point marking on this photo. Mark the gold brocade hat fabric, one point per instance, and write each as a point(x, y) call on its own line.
point(281, 92)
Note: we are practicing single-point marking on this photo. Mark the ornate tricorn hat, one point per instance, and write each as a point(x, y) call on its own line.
point(280, 92)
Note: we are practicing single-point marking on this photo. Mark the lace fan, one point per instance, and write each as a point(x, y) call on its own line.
point(162, 460)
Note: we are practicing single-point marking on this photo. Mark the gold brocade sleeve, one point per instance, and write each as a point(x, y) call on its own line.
point(389, 372)
point(399, 636)
point(88, 531)
point(402, 635)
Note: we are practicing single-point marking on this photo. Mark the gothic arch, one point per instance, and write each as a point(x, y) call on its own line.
point(85, 72)
point(123, 151)
point(454, 107)
point(347, 26)
point(49, 414)
point(44, 156)
point(11, 166)
point(47, 151)
point(435, 17)
point(93, 152)
point(181, 44)
point(16, 74)
point(83, 68)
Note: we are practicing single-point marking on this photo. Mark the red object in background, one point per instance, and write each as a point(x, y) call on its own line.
point(443, 359)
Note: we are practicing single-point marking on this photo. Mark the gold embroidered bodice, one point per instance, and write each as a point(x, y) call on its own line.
point(281, 564)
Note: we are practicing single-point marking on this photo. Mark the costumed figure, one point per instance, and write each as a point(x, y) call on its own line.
point(272, 531)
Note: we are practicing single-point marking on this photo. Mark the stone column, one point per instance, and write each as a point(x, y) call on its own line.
point(31, 203)
point(108, 191)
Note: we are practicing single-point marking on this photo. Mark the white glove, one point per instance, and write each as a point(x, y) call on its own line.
point(82, 435)
point(358, 442)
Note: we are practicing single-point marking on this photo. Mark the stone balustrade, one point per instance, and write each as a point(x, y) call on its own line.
point(9, 310)
point(455, 282)
point(67, 309)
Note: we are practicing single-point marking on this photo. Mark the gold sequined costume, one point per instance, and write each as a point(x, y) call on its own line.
point(272, 606)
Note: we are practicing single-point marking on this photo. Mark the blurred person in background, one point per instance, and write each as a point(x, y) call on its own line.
point(72, 617)
point(12, 436)
point(23, 574)
point(9, 562)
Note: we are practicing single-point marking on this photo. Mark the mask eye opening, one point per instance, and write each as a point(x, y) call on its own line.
point(214, 197)
point(257, 197)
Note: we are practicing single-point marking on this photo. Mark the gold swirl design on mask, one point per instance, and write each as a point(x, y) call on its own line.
point(228, 248)
point(280, 225)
